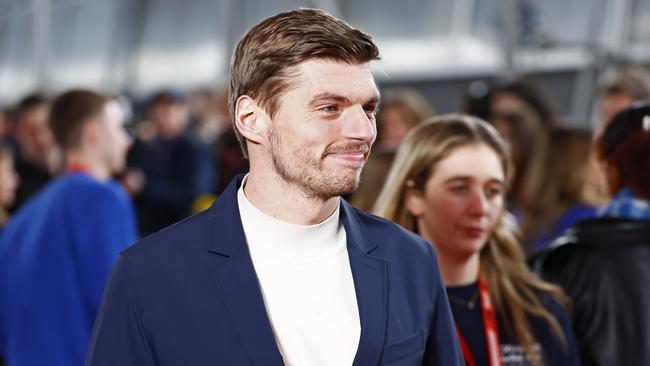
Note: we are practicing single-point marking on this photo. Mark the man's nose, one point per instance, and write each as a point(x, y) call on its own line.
point(360, 125)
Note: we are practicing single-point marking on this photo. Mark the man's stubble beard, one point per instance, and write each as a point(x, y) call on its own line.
point(308, 173)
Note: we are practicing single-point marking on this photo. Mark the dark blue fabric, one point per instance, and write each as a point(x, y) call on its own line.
point(553, 351)
point(189, 295)
point(626, 205)
point(177, 171)
point(470, 321)
point(572, 215)
point(55, 256)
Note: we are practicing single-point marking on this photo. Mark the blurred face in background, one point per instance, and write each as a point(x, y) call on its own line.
point(461, 201)
point(393, 125)
point(610, 104)
point(521, 128)
point(115, 141)
point(8, 179)
point(504, 102)
point(169, 117)
point(34, 136)
point(5, 124)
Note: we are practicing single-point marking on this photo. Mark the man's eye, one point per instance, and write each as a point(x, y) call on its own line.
point(370, 110)
point(329, 109)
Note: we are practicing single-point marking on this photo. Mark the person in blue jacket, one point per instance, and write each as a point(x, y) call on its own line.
point(281, 270)
point(57, 250)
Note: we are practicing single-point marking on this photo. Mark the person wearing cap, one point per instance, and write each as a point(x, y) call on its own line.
point(281, 270)
point(603, 263)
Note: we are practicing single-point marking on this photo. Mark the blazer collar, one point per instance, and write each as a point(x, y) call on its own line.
point(238, 282)
point(225, 239)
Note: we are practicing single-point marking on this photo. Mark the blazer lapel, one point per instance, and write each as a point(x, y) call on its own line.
point(236, 279)
point(371, 287)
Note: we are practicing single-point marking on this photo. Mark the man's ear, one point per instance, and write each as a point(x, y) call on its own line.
point(414, 201)
point(91, 133)
point(250, 119)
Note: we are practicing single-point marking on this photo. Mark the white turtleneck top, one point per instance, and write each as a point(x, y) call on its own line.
point(306, 281)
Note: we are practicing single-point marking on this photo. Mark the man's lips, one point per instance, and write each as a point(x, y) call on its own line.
point(352, 157)
point(350, 153)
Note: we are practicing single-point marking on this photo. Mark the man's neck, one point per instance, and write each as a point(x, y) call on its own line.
point(287, 202)
point(76, 160)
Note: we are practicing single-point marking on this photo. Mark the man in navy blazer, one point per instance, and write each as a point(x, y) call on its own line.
point(281, 270)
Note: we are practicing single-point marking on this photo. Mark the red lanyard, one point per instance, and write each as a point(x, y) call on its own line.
point(491, 330)
point(78, 168)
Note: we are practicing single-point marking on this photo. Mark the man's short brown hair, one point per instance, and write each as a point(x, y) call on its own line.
point(70, 111)
point(268, 52)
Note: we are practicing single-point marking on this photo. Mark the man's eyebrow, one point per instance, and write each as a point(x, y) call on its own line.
point(328, 96)
point(331, 96)
point(375, 99)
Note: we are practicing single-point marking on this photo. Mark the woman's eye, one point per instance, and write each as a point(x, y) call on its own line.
point(493, 192)
point(459, 189)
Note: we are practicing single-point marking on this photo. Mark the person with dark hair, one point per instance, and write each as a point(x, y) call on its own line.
point(36, 156)
point(57, 250)
point(508, 95)
point(280, 270)
point(603, 263)
point(175, 168)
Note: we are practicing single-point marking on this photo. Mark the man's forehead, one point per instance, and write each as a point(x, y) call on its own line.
point(321, 77)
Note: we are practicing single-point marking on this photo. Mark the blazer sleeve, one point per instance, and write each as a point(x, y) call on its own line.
point(442, 347)
point(119, 336)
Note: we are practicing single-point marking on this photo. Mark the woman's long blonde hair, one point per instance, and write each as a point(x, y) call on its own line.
point(513, 287)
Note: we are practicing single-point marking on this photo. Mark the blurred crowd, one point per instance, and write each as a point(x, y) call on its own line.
point(182, 152)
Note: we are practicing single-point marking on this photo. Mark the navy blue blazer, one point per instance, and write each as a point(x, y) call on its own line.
point(189, 295)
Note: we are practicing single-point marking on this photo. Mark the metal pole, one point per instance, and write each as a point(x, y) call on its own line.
point(41, 11)
point(510, 17)
point(585, 91)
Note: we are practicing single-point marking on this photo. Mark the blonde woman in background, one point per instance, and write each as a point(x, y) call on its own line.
point(448, 184)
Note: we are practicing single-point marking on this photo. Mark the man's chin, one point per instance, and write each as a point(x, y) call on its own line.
point(348, 187)
point(342, 187)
